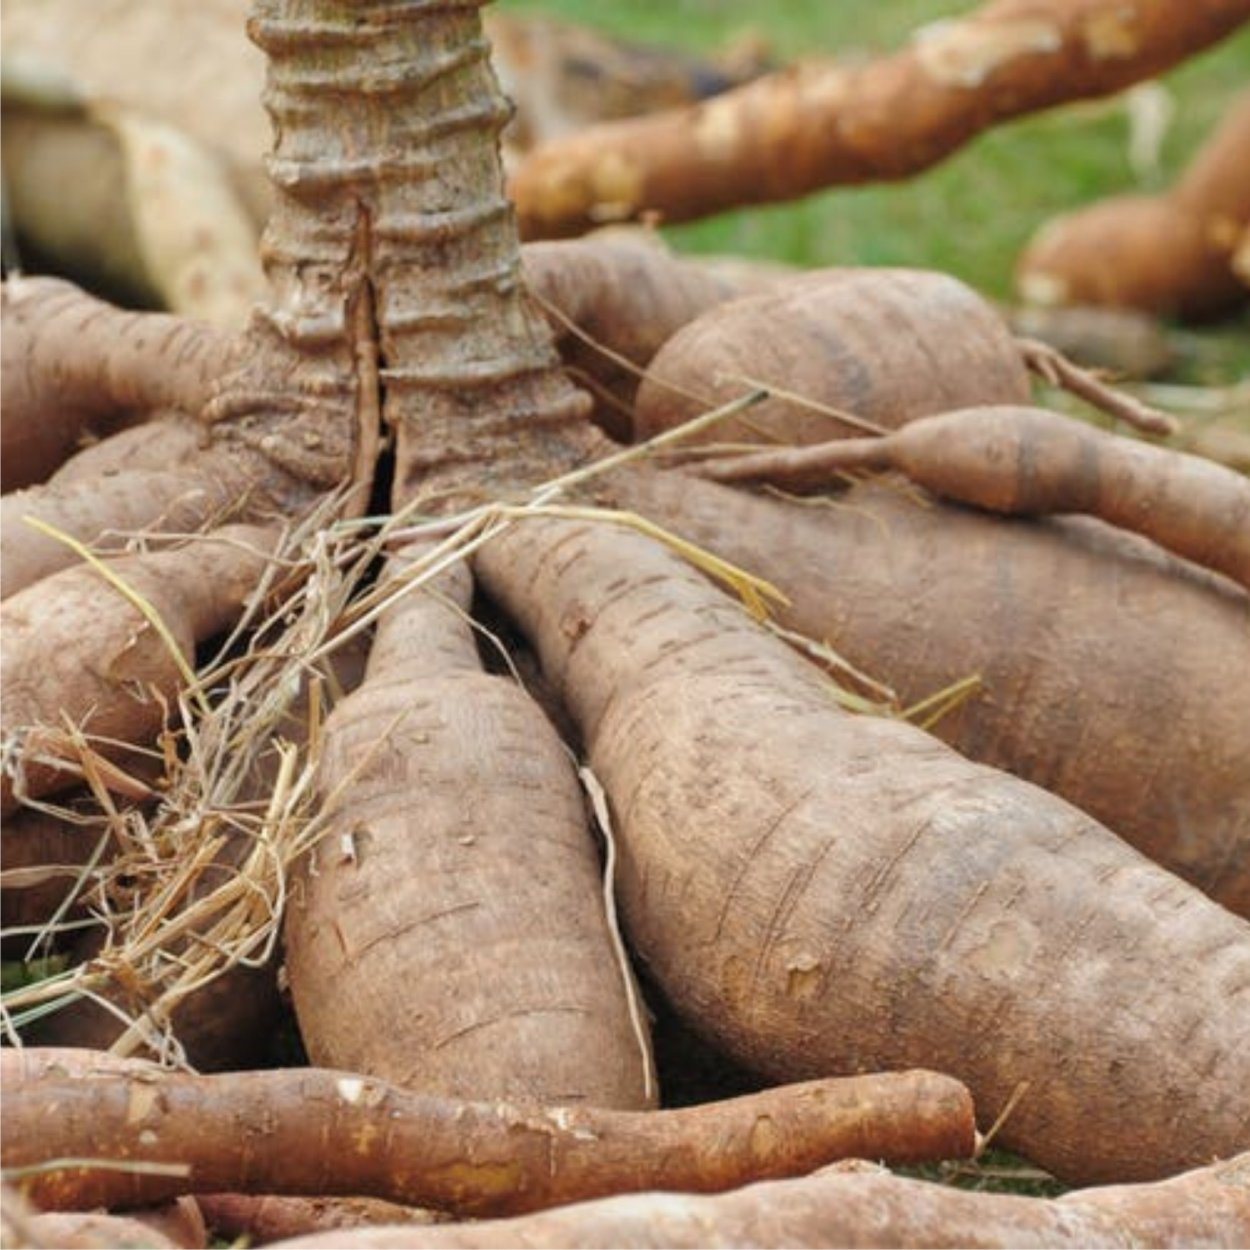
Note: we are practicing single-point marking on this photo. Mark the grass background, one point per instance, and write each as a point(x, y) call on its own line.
point(969, 215)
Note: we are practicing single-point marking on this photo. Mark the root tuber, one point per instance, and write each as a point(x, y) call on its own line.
point(1027, 461)
point(1168, 254)
point(313, 1131)
point(861, 1206)
point(843, 891)
point(816, 125)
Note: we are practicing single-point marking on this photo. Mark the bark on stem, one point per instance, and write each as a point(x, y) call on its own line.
point(392, 220)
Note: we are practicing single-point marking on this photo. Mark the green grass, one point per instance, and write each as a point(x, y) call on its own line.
point(968, 216)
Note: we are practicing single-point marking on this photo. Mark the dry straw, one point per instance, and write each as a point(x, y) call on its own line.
point(189, 872)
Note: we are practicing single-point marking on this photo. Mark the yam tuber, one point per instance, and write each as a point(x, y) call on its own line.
point(73, 363)
point(165, 441)
point(1028, 461)
point(821, 892)
point(48, 405)
point(314, 1131)
point(1169, 254)
point(818, 125)
point(105, 512)
point(860, 1206)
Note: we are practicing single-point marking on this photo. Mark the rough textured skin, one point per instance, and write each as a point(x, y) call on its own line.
point(823, 892)
point(74, 366)
point(105, 512)
point(1103, 705)
point(166, 441)
point(860, 1206)
point(816, 125)
point(76, 650)
point(465, 939)
point(313, 1131)
point(883, 344)
point(1032, 462)
point(64, 350)
point(262, 449)
point(627, 293)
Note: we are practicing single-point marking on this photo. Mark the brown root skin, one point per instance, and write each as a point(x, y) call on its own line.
point(1170, 254)
point(1030, 462)
point(106, 512)
point(860, 1205)
point(275, 431)
point(74, 369)
point(1241, 258)
point(176, 1226)
point(843, 891)
point(66, 352)
point(629, 295)
point(1049, 615)
point(264, 1218)
point(1134, 251)
point(1054, 367)
point(43, 857)
point(327, 1133)
point(225, 1024)
point(1216, 183)
point(173, 1224)
point(883, 345)
point(165, 441)
point(462, 952)
point(77, 651)
point(816, 125)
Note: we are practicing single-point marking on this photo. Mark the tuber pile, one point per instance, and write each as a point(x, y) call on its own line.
point(815, 892)
point(842, 892)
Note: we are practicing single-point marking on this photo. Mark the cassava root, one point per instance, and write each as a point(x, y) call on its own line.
point(314, 1131)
